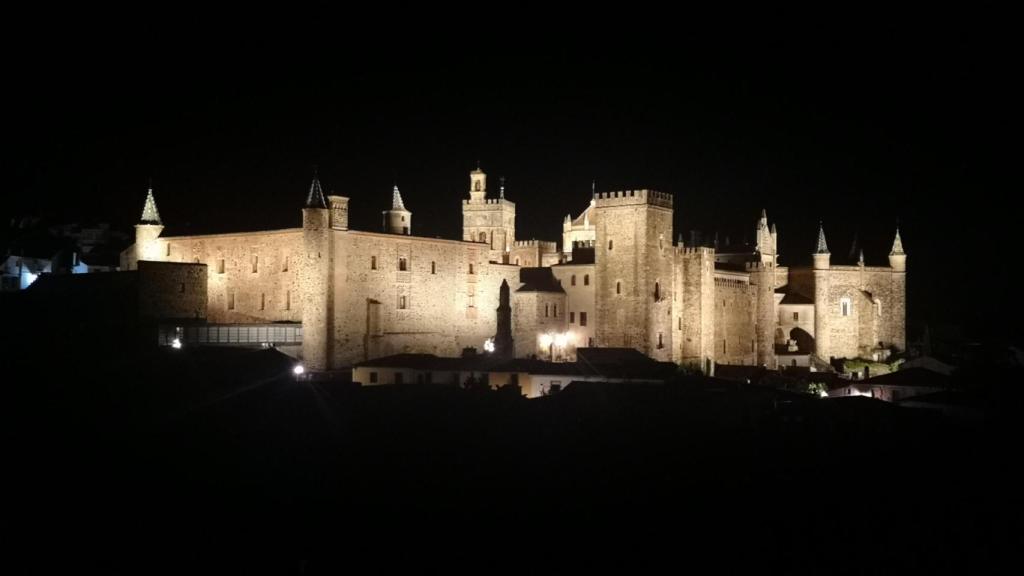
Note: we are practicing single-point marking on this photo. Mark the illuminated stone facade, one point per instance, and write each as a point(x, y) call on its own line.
point(622, 283)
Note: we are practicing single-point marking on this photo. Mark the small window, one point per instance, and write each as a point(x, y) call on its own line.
point(403, 263)
point(680, 323)
point(402, 302)
point(231, 301)
point(255, 263)
point(572, 317)
point(573, 280)
point(586, 279)
point(284, 265)
point(844, 307)
point(287, 299)
point(545, 310)
point(657, 291)
point(470, 267)
point(583, 318)
point(476, 186)
point(554, 310)
point(517, 261)
point(373, 377)
point(168, 249)
point(433, 267)
point(373, 262)
point(618, 287)
point(752, 349)
point(661, 340)
point(723, 346)
point(483, 236)
point(796, 316)
point(263, 301)
point(220, 266)
point(609, 244)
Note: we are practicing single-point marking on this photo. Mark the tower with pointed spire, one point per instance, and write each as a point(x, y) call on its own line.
point(148, 230)
point(315, 280)
point(822, 289)
point(897, 334)
point(397, 220)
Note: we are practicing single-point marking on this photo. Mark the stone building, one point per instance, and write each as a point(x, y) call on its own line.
point(619, 280)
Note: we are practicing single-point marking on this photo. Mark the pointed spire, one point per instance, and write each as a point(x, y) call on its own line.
point(501, 187)
point(315, 198)
point(764, 215)
point(396, 199)
point(774, 230)
point(897, 245)
point(822, 246)
point(150, 215)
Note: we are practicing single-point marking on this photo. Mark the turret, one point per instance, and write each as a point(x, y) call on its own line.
point(821, 254)
point(315, 280)
point(477, 186)
point(822, 290)
point(397, 220)
point(148, 230)
point(897, 257)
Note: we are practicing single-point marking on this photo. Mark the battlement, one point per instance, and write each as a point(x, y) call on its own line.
point(489, 201)
point(583, 243)
point(758, 266)
point(627, 197)
point(705, 250)
point(548, 246)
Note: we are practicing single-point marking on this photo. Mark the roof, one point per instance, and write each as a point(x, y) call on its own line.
point(539, 280)
point(911, 377)
point(794, 298)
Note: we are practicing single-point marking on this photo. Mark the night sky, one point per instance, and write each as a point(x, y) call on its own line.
point(860, 127)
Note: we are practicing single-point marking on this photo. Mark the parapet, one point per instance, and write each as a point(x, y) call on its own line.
point(627, 197)
point(490, 202)
point(705, 250)
point(545, 245)
point(758, 266)
point(583, 243)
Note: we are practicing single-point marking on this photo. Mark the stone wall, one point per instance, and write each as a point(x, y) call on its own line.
point(579, 300)
point(171, 291)
point(734, 318)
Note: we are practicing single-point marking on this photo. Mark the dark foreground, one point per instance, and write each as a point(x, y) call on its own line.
point(219, 459)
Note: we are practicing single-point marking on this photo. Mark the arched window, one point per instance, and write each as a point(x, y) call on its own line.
point(573, 281)
point(476, 186)
point(483, 236)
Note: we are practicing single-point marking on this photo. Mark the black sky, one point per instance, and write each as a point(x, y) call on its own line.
point(855, 121)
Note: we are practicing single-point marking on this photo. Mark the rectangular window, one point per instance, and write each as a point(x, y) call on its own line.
point(168, 249)
point(572, 317)
point(470, 267)
point(680, 322)
point(403, 263)
point(220, 266)
point(545, 310)
point(284, 265)
point(433, 267)
point(844, 307)
point(723, 346)
point(402, 302)
point(796, 316)
point(287, 299)
point(554, 310)
point(573, 281)
point(255, 263)
point(583, 318)
point(373, 377)
point(373, 262)
point(263, 301)
point(231, 301)
point(661, 340)
point(586, 279)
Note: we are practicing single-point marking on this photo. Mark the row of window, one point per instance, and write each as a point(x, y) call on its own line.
point(403, 265)
point(262, 302)
point(254, 263)
point(586, 279)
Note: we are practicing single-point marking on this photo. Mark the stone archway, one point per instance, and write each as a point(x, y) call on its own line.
point(804, 341)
